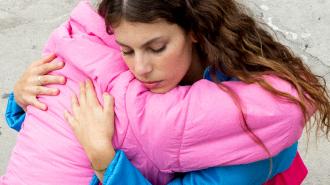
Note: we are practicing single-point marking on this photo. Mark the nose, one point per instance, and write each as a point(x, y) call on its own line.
point(142, 66)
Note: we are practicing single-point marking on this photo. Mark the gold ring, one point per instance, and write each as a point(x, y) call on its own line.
point(39, 80)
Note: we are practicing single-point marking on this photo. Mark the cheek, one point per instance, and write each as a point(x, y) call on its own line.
point(170, 62)
point(183, 58)
point(176, 63)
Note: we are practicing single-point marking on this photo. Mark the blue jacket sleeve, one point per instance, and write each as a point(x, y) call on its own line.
point(121, 171)
point(15, 115)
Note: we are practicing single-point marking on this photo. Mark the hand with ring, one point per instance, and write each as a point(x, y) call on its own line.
point(34, 80)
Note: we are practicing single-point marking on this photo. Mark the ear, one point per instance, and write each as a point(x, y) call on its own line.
point(193, 37)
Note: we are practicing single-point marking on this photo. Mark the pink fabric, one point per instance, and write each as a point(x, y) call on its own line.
point(188, 128)
point(295, 175)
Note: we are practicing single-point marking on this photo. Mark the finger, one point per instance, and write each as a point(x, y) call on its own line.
point(109, 103)
point(48, 67)
point(70, 119)
point(82, 96)
point(44, 60)
point(91, 94)
point(75, 105)
point(40, 90)
point(49, 79)
point(37, 104)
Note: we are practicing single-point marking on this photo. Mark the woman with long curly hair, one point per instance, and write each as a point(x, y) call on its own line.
point(167, 118)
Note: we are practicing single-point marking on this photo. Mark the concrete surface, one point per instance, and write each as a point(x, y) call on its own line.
point(301, 24)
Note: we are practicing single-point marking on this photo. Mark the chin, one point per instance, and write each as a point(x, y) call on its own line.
point(162, 90)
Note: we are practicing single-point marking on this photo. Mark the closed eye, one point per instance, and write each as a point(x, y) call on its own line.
point(158, 50)
point(130, 52)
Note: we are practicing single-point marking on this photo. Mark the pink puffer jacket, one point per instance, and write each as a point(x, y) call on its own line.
point(188, 128)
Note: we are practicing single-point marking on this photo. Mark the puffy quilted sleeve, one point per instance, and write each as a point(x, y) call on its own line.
point(201, 126)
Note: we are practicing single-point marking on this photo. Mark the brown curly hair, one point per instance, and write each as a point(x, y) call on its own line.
point(232, 42)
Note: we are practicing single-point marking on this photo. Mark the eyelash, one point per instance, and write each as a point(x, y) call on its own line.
point(127, 53)
point(158, 50)
point(152, 50)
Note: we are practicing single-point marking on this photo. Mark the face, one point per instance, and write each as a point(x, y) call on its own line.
point(158, 54)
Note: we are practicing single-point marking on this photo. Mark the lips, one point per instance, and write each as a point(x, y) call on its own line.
point(151, 85)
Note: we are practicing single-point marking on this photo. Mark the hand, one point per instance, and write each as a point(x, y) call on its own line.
point(32, 82)
point(93, 125)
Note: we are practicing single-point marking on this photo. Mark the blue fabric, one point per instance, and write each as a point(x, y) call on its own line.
point(220, 76)
point(15, 115)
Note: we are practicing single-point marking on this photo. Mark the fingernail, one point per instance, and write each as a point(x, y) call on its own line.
point(44, 107)
point(56, 91)
point(63, 80)
point(59, 63)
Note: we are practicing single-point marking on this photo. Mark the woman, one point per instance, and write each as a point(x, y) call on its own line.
point(137, 90)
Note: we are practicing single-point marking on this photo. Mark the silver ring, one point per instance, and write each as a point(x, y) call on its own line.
point(39, 80)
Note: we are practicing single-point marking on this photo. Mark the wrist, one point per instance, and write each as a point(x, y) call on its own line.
point(18, 102)
point(102, 170)
point(101, 160)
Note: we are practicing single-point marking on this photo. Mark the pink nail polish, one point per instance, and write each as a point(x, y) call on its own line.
point(63, 80)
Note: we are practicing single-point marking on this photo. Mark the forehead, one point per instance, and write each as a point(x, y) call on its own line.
point(140, 32)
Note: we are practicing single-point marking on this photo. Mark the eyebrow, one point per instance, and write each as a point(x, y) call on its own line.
point(143, 45)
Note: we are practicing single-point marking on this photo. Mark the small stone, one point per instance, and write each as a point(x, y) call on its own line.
point(306, 46)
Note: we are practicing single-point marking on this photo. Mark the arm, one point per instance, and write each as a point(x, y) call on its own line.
point(211, 124)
